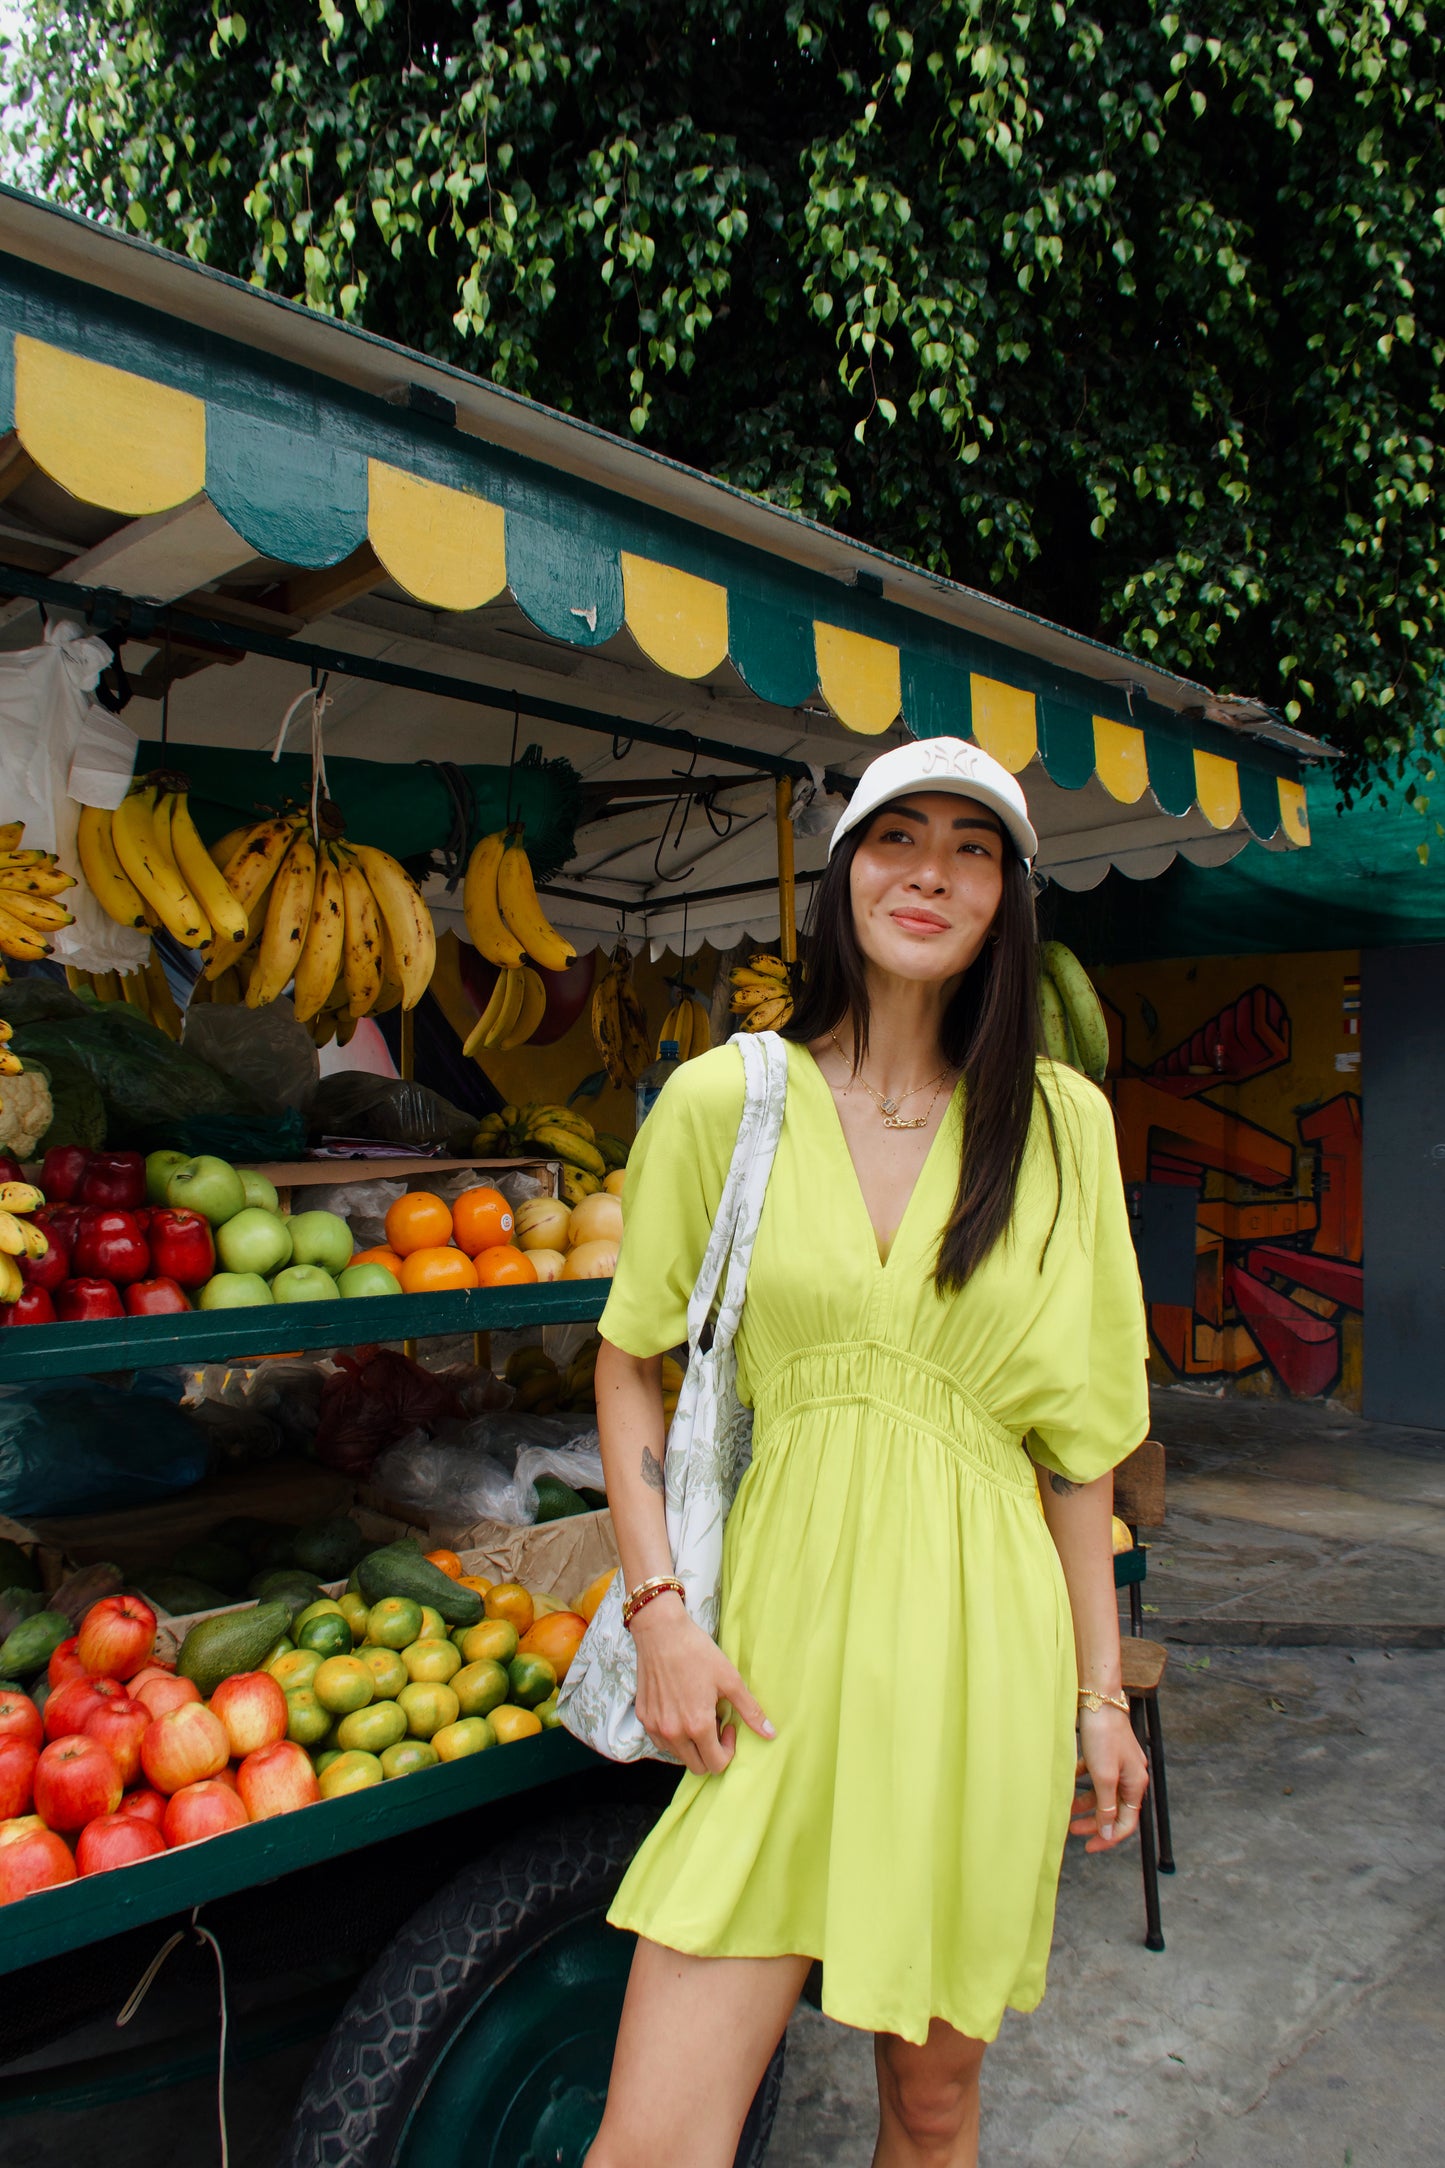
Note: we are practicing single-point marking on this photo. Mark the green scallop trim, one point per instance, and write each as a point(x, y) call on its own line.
point(299, 498)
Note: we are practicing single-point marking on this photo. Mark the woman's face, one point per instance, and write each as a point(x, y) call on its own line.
point(927, 880)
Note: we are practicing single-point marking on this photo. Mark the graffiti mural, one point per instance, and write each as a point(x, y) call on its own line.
point(1231, 1108)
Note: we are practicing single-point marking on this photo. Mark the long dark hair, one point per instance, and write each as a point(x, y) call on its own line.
point(990, 1031)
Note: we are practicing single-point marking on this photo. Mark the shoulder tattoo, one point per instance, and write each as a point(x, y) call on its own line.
point(1061, 1485)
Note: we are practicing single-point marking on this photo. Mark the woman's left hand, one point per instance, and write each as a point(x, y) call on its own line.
point(1117, 1774)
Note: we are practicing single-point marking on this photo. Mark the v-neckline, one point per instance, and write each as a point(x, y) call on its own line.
point(896, 1240)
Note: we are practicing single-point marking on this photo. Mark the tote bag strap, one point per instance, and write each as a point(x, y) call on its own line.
point(730, 1246)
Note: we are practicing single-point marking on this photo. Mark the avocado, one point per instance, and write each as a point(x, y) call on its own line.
point(594, 1500)
point(400, 1570)
point(556, 1500)
point(245, 1532)
point(179, 1594)
point(32, 1644)
point(285, 1584)
point(17, 1568)
point(329, 1548)
point(220, 1565)
point(216, 1648)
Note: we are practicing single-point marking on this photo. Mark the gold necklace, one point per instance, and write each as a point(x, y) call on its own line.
point(888, 1108)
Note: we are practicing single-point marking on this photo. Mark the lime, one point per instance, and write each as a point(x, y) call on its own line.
point(321, 1761)
point(510, 1722)
point(388, 1672)
point(355, 1610)
point(430, 1660)
point(372, 1729)
point(546, 1714)
point(532, 1679)
point(427, 1705)
point(283, 1647)
point(394, 1622)
point(298, 1667)
point(350, 1772)
point(408, 1755)
point(494, 1640)
point(433, 1625)
point(479, 1687)
point(307, 1723)
point(342, 1684)
point(328, 1634)
point(324, 1607)
point(469, 1736)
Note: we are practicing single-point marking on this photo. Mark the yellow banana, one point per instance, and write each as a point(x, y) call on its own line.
point(362, 950)
point(226, 913)
point(7, 1029)
point(19, 940)
point(224, 849)
point(559, 1118)
point(10, 1064)
point(164, 1012)
point(488, 934)
point(12, 1237)
point(106, 878)
point(42, 914)
point(12, 1286)
point(576, 1185)
point(10, 834)
point(530, 1011)
point(499, 1014)
point(258, 856)
point(771, 1016)
point(523, 915)
point(607, 1025)
point(20, 1197)
point(43, 880)
point(574, 1151)
point(223, 956)
point(224, 988)
point(769, 967)
point(322, 952)
point(408, 922)
point(288, 914)
point(144, 853)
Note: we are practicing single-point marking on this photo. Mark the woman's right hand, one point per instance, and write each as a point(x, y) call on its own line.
point(682, 1675)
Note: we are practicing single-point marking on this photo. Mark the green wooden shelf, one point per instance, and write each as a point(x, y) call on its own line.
point(55, 1920)
point(137, 1343)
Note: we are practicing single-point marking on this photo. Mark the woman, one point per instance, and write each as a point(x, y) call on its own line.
point(943, 1333)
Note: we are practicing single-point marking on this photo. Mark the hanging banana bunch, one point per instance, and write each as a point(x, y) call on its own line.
point(30, 882)
point(19, 1237)
point(762, 993)
point(687, 1024)
point(505, 922)
point(619, 1026)
point(1071, 1021)
point(518, 1001)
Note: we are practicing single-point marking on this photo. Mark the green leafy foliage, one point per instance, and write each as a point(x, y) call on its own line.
point(1133, 318)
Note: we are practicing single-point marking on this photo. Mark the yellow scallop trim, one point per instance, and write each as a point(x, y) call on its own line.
point(858, 677)
point(679, 621)
point(110, 438)
point(1120, 761)
point(1216, 785)
point(1294, 811)
point(1005, 722)
point(441, 545)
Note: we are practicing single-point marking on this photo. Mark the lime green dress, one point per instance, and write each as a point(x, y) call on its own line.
point(891, 1592)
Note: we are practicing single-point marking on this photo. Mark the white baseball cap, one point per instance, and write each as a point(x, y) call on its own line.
point(950, 764)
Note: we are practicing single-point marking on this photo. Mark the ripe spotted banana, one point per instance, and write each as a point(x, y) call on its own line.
point(771, 1015)
point(362, 953)
point(12, 1285)
point(20, 940)
point(531, 1011)
point(288, 916)
point(489, 935)
point(572, 1150)
point(321, 952)
point(145, 856)
point(19, 1238)
point(607, 1023)
point(225, 912)
point(20, 1197)
point(408, 922)
point(522, 914)
point(250, 872)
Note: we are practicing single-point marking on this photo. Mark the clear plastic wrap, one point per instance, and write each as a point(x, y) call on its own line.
point(488, 1471)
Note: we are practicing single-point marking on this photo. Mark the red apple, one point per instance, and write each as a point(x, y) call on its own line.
point(120, 1725)
point(114, 1840)
point(225, 1776)
point(32, 1857)
point(20, 1722)
point(252, 1707)
point(203, 1810)
point(65, 1664)
point(155, 1669)
point(160, 1695)
point(183, 1747)
point(145, 1805)
point(116, 1636)
point(17, 1777)
point(75, 1780)
point(68, 1707)
point(276, 1780)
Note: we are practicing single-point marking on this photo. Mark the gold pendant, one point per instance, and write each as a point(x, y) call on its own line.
point(895, 1121)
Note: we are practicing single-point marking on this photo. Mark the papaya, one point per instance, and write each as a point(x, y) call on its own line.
point(400, 1570)
point(33, 1642)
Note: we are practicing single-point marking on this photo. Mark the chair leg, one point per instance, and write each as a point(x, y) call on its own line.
point(1136, 1610)
point(1153, 1932)
point(1159, 1785)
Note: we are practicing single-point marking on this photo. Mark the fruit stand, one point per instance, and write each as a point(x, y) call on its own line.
point(572, 709)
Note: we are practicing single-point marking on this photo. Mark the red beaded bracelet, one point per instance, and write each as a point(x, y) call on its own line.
point(646, 1591)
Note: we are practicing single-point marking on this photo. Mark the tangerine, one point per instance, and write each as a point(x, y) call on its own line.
point(380, 1255)
point(481, 1218)
point(557, 1637)
point(503, 1266)
point(426, 1271)
point(446, 1562)
point(509, 1601)
point(418, 1221)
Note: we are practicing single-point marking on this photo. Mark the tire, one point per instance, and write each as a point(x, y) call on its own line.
point(484, 2033)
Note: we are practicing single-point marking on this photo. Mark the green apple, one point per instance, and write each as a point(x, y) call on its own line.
point(258, 1190)
point(233, 1291)
point(160, 1166)
point(304, 1283)
point(321, 1238)
point(209, 1186)
point(254, 1241)
point(368, 1280)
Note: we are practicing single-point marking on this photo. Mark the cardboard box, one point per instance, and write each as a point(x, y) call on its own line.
point(287, 1175)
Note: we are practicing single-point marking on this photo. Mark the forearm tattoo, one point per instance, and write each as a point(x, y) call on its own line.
point(1061, 1485)
point(652, 1474)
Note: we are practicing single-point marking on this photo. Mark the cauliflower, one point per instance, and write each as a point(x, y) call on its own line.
point(26, 1112)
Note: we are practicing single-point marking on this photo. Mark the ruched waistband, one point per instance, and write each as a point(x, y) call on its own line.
point(906, 1388)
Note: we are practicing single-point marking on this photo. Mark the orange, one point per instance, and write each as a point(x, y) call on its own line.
point(510, 1723)
point(557, 1637)
point(446, 1562)
point(474, 1581)
point(509, 1601)
point(502, 1266)
point(418, 1221)
point(590, 1600)
point(425, 1272)
point(381, 1255)
point(481, 1218)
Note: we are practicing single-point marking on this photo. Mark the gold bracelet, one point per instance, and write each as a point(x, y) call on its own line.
point(646, 1592)
point(1091, 1698)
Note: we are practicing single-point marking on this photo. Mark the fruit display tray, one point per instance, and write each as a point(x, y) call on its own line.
point(201, 1336)
point(55, 1920)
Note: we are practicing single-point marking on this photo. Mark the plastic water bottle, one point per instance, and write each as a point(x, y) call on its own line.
point(652, 1079)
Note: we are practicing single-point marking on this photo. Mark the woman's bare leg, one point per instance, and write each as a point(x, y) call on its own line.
point(697, 2033)
point(928, 2100)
